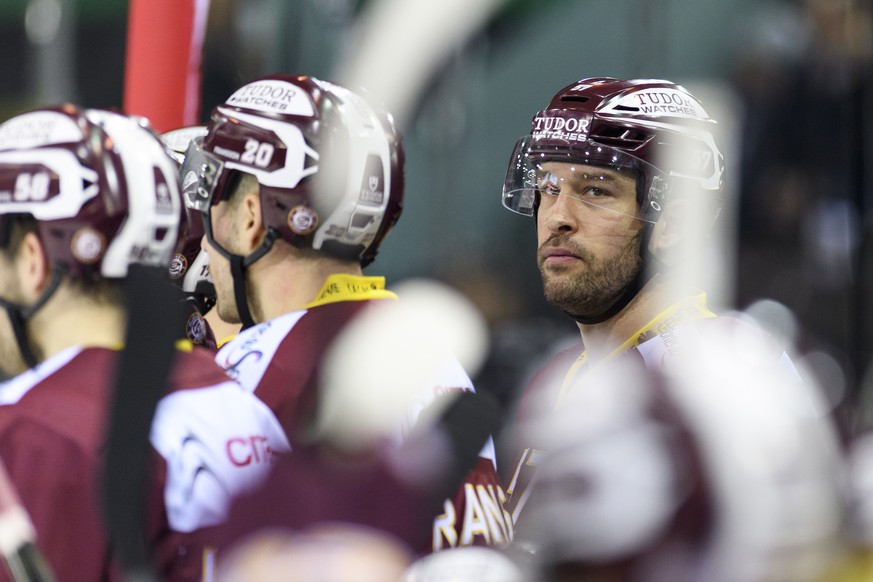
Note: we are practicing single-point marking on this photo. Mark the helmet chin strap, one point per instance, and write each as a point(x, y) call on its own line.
point(238, 266)
point(238, 275)
point(19, 315)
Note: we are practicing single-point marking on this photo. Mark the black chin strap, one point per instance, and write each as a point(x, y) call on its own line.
point(16, 317)
point(19, 315)
point(238, 266)
point(238, 274)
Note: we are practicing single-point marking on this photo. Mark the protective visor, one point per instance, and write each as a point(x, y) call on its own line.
point(201, 174)
point(531, 172)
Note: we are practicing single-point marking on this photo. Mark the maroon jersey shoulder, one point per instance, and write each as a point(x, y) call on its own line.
point(291, 382)
point(73, 400)
point(195, 369)
point(51, 441)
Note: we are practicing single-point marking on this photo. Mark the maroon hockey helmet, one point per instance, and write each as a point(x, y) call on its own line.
point(329, 164)
point(102, 189)
point(653, 128)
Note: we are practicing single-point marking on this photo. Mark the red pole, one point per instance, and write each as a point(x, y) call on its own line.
point(162, 69)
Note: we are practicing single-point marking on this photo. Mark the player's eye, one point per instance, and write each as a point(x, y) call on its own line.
point(595, 192)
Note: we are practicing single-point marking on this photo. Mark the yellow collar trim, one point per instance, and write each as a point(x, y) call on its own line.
point(343, 287)
point(687, 309)
point(220, 343)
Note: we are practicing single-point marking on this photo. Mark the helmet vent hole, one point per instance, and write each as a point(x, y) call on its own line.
point(575, 98)
point(622, 137)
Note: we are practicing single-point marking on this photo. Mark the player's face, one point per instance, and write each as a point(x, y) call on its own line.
point(11, 362)
point(224, 231)
point(588, 234)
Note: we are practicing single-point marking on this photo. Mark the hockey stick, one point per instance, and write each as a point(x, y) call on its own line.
point(154, 308)
point(415, 37)
point(162, 82)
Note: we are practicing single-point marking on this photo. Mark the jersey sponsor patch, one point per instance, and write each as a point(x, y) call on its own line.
point(217, 442)
point(247, 357)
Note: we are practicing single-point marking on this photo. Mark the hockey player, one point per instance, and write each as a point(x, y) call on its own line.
point(299, 181)
point(190, 264)
point(84, 196)
point(669, 444)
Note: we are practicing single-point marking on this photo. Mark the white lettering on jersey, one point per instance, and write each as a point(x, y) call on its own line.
point(484, 517)
point(444, 528)
point(474, 518)
point(498, 519)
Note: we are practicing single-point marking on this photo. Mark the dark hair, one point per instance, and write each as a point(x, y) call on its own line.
point(13, 227)
point(238, 184)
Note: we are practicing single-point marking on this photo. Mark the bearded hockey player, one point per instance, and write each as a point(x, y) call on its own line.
point(670, 444)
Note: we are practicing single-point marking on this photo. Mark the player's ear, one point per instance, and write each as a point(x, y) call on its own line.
point(681, 231)
point(32, 266)
point(251, 222)
point(668, 232)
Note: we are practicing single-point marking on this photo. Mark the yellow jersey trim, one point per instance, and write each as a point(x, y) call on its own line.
point(682, 311)
point(342, 287)
point(185, 345)
point(218, 344)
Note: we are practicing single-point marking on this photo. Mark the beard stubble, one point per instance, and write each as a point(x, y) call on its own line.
point(590, 287)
